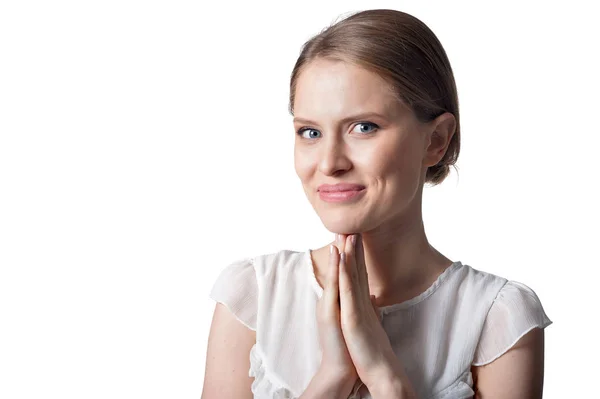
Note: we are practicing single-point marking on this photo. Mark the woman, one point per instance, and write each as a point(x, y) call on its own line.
point(378, 313)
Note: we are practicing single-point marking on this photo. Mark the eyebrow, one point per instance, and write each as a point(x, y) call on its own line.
point(363, 115)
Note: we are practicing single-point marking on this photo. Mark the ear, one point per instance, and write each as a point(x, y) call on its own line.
point(439, 134)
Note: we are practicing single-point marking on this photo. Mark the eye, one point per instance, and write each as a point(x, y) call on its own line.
point(367, 124)
point(301, 131)
point(306, 129)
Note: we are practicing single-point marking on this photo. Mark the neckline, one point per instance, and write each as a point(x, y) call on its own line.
point(395, 306)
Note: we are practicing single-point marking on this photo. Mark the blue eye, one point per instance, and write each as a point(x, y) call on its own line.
point(367, 124)
point(304, 129)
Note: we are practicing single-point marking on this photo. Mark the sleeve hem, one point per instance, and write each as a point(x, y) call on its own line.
point(236, 288)
point(545, 324)
point(234, 315)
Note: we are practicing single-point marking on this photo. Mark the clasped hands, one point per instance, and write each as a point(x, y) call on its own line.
point(353, 340)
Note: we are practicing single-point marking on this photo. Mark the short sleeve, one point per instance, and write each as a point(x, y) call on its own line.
point(515, 311)
point(236, 288)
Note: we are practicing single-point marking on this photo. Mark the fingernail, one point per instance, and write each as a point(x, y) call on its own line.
point(353, 239)
point(331, 249)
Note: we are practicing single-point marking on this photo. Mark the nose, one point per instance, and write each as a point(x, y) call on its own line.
point(333, 156)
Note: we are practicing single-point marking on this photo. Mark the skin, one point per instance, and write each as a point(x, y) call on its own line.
point(394, 255)
point(391, 162)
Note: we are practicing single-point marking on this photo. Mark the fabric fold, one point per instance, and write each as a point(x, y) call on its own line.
point(459, 389)
point(263, 386)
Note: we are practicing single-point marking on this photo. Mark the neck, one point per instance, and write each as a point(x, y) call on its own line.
point(400, 261)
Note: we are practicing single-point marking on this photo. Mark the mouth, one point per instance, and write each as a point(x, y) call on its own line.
point(328, 188)
point(341, 196)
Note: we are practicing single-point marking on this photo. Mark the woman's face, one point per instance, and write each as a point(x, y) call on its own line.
point(385, 153)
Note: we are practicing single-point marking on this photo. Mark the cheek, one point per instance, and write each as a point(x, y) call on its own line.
point(408, 151)
point(398, 165)
point(302, 164)
point(389, 158)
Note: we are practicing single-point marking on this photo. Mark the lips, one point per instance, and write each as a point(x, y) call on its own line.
point(335, 188)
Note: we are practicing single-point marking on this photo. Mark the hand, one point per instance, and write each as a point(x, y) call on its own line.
point(367, 342)
point(336, 361)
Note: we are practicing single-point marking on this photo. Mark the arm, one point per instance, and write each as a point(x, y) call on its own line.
point(323, 386)
point(228, 362)
point(228, 357)
point(393, 383)
point(519, 373)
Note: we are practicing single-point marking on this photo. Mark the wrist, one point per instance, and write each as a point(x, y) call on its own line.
point(327, 385)
point(391, 383)
point(395, 389)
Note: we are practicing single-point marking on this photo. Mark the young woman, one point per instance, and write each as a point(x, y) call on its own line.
point(379, 312)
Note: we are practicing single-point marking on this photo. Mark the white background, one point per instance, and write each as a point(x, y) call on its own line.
point(146, 144)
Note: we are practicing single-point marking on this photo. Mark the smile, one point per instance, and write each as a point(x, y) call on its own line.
point(341, 196)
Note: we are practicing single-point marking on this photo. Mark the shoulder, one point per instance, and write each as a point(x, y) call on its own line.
point(510, 352)
point(284, 280)
point(236, 287)
point(249, 283)
point(279, 263)
point(507, 304)
point(499, 311)
point(492, 315)
point(515, 311)
point(261, 265)
point(473, 288)
point(497, 291)
point(477, 277)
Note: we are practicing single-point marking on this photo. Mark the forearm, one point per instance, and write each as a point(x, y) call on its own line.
point(391, 382)
point(323, 386)
point(392, 390)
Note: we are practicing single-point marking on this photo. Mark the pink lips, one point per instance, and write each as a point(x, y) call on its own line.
point(340, 192)
point(329, 188)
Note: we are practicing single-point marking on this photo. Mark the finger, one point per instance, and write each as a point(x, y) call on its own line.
point(349, 307)
point(361, 266)
point(340, 239)
point(345, 283)
point(351, 264)
point(331, 294)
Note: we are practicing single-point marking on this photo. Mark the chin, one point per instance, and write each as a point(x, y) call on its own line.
point(342, 219)
point(342, 225)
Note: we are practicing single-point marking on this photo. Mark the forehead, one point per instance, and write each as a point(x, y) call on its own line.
point(331, 88)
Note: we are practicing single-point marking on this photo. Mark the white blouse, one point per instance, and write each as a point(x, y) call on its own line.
point(465, 318)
